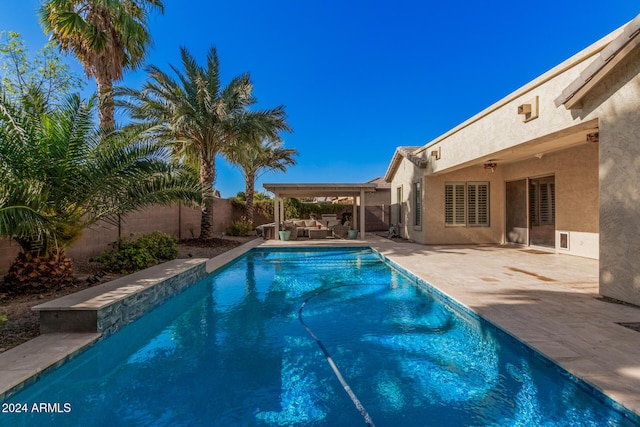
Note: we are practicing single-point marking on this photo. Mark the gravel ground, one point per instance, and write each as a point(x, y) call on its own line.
point(22, 324)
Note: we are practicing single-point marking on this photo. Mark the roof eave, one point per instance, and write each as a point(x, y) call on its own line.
point(615, 51)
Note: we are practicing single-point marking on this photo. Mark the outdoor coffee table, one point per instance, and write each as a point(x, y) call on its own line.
point(318, 233)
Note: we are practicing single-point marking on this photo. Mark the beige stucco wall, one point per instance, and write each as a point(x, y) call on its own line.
point(576, 177)
point(435, 231)
point(405, 176)
point(597, 190)
point(500, 128)
point(617, 103)
point(577, 198)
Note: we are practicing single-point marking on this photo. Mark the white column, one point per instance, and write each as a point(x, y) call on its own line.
point(354, 213)
point(282, 209)
point(362, 213)
point(276, 215)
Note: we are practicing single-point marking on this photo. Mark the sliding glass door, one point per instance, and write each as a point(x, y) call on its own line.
point(531, 211)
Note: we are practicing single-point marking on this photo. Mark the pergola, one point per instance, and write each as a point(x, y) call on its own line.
point(357, 191)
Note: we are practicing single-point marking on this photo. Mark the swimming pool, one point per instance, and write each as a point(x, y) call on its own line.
point(234, 350)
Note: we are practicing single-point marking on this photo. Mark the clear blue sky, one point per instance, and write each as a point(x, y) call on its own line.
point(359, 78)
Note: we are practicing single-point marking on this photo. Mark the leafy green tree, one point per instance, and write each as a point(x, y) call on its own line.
point(255, 159)
point(44, 73)
point(198, 117)
point(107, 37)
point(58, 178)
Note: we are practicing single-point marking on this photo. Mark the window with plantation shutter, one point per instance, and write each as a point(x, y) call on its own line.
point(399, 205)
point(455, 204)
point(467, 204)
point(478, 204)
point(542, 209)
point(547, 200)
point(417, 204)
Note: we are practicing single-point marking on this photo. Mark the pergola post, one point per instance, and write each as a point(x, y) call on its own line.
point(362, 213)
point(276, 215)
point(354, 212)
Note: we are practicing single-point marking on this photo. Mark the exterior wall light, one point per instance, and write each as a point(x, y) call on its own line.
point(436, 153)
point(490, 167)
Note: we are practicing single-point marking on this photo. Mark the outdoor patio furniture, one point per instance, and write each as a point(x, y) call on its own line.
point(318, 233)
point(302, 227)
point(268, 231)
point(340, 231)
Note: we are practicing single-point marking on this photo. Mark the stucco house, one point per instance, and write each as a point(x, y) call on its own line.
point(555, 165)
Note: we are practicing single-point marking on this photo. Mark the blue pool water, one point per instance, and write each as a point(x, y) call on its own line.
point(232, 351)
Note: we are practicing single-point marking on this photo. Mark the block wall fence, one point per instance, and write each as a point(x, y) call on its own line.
point(176, 220)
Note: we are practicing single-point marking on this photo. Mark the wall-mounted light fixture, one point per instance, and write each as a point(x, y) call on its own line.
point(491, 166)
point(436, 153)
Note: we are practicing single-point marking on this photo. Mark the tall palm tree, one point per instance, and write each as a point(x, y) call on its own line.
point(58, 178)
point(107, 37)
point(255, 159)
point(199, 118)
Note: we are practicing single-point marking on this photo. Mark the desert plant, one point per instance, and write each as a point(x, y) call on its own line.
point(198, 117)
point(242, 227)
point(107, 37)
point(30, 273)
point(131, 254)
point(58, 178)
point(255, 157)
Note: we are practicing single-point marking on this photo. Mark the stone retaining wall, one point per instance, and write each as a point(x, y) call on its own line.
point(108, 307)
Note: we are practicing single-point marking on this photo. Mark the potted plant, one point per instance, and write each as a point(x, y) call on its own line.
point(284, 233)
point(352, 234)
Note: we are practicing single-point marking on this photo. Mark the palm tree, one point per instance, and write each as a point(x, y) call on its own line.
point(58, 178)
point(257, 159)
point(107, 37)
point(199, 118)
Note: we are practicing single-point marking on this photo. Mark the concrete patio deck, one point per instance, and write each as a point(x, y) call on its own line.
point(548, 301)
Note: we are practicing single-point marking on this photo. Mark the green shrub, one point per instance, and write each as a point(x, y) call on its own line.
point(261, 206)
point(160, 245)
point(243, 227)
point(3, 321)
point(294, 208)
point(129, 255)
